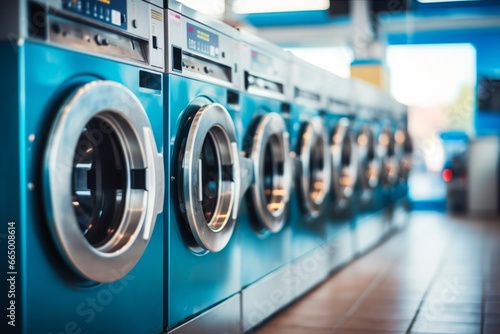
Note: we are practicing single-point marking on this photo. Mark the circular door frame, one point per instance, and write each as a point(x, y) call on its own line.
point(120, 108)
point(271, 130)
point(212, 121)
point(312, 132)
point(402, 138)
point(369, 168)
point(386, 151)
point(340, 138)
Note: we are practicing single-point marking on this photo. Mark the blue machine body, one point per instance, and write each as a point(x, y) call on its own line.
point(308, 230)
point(194, 281)
point(202, 263)
point(341, 213)
point(262, 251)
point(50, 297)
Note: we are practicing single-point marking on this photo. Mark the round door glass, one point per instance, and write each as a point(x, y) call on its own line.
point(98, 182)
point(316, 169)
point(273, 170)
point(210, 177)
point(347, 178)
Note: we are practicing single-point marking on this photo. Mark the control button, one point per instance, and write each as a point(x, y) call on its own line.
point(223, 54)
point(134, 24)
point(124, 18)
point(101, 40)
point(206, 69)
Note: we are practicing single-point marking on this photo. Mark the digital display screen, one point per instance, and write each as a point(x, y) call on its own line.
point(202, 41)
point(112, 12)
point(261, 62)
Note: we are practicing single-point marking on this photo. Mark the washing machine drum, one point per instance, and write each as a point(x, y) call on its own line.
point(344, 162)
point(269, 150)
point(369, 164)
point(390, 155)
point(103, 181)
point(315, 167)
point(209, 178)
point(402, 137)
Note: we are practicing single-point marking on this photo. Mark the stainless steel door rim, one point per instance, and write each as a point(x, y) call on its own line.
point(315, 166)
point(270, 154)
point(103, 181)
point(211, 180)
point(368, 157)
point(344, 162)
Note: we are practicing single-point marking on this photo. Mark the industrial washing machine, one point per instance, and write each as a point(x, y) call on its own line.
point(207, 174)
point(264, 234)
point(371, 222)
point(311, 196)
point(338, 119)
point(82, 174)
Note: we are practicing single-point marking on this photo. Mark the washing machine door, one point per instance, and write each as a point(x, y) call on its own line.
point(103, 181)
point(315, 166)
point(386, 149)
point(395, 157)
point(209, 184)
point(369, 165)
point(344, 162)
point(270, 153)
point(402, 137)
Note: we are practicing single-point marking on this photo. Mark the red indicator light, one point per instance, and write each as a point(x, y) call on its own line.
point(447, 175)
point(190, 29)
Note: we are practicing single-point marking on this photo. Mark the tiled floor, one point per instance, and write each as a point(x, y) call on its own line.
point(439, 275)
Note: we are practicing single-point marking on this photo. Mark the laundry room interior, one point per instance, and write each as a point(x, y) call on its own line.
point(250, 166)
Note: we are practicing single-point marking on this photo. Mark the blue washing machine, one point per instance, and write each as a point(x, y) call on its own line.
point(372, 220)
point(207, 175)
point(338, 119)
point(311, 196)
point(82, 174)
point(264, 234)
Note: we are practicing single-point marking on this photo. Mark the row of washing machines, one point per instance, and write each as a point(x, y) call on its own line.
point(162, 171)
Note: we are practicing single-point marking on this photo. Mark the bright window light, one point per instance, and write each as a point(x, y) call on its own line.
point(266, 6)
point(437, 82)
point(213, 8)
point(336, 59)
point(431, 75)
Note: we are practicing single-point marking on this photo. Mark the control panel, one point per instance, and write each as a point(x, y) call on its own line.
point(113, 12)
point(202, 41)
point(125, 30)
point(308, 83)
point(265, 68)
point(261, 63)
point(201, 47)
